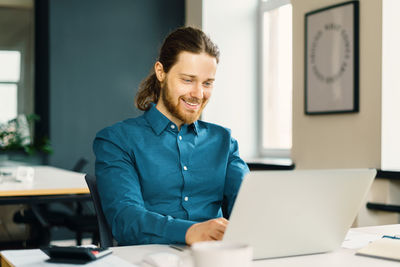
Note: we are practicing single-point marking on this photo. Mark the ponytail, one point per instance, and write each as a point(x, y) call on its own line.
point(149, 91)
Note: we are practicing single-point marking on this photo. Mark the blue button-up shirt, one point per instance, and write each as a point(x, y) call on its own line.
point(155, 181)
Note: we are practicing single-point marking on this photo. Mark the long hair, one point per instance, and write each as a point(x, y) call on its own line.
point(187, 39)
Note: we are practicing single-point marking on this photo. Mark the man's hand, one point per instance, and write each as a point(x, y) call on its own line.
point(209, 230)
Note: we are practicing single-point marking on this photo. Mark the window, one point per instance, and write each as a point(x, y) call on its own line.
point(276, 78)
point(16, 59)
point(10, 68)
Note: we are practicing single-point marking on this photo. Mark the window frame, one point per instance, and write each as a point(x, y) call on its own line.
point(265, 6)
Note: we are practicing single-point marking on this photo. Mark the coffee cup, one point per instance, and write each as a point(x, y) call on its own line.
point(221, 254)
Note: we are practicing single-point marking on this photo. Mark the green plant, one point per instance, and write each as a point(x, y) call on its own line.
point(16, 135)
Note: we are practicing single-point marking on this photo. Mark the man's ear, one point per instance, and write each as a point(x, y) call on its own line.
point(159, 71)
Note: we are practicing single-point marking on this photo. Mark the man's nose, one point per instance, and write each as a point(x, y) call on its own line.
point(198, 91)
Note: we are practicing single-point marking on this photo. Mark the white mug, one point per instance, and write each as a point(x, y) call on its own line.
point(25, 174)
point(221, 254)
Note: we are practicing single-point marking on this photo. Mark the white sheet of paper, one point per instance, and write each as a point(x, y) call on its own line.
point(382, 248)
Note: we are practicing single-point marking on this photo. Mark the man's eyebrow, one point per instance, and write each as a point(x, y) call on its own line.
point(189, 75)
point(194, 76)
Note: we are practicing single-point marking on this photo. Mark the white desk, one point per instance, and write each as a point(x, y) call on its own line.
point(47, 181)
point(358, 237)
point(49, 185)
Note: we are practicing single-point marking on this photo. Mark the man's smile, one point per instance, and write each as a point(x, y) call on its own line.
point(191, 104)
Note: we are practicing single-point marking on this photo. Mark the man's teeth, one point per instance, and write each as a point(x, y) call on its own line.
point(192, 104)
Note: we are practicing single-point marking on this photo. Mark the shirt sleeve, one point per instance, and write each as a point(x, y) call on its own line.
point(122, 201)
point(236, 170)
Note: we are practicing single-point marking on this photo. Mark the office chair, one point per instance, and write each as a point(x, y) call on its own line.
point(78, 222)
point(106, 238)
point(80, 164)
point(42, 218)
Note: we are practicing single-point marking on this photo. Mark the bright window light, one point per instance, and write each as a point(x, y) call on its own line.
point(8, 102)
point(10, 64)
point(277, 79)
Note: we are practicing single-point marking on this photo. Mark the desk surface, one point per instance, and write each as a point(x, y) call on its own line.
point(344, 256)
point(47, 181)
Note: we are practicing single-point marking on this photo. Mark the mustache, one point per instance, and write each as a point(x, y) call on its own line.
point(193, 100)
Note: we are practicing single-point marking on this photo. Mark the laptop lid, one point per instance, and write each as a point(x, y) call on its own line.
point(287, 213)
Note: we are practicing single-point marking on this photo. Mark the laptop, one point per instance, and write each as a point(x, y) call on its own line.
point(288, 213)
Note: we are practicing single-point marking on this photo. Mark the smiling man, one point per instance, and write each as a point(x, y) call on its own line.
point(163, 176)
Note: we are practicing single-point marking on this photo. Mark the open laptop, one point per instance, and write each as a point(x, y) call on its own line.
point(287, 213)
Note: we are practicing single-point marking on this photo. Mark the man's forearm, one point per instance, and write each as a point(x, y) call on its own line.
point(135, 225)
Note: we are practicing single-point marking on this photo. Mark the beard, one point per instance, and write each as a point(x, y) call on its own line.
point(179, 112)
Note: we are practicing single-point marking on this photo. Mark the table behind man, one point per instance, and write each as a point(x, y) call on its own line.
point(163, 176)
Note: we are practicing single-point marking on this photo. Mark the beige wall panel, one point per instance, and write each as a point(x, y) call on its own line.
point(340, 140)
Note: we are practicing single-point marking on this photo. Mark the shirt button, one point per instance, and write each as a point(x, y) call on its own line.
point(172, 126)
point(186, 198)
point(180, 137)
point(185, 168)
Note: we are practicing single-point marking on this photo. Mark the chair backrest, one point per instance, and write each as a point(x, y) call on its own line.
point(80, 164)
point(106, 238)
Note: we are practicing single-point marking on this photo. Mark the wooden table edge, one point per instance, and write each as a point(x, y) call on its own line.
point(43, 192)
point(4, 262)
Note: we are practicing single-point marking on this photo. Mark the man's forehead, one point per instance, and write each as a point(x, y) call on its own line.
point(193, 64)
point(189, 57)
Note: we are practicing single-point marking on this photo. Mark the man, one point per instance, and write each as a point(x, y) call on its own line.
point(163, 176)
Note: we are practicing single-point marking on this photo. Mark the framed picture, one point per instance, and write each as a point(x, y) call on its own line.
point(331, 59)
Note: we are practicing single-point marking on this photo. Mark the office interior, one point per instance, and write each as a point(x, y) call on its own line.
point(83, 60)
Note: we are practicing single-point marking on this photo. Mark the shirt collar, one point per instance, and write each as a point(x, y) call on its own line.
point(156, 119)
point(195, 127)
point(159, 121)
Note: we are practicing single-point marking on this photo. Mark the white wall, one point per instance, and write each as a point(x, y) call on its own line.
point(341, 140)
point(390, 85)
point(232, 24)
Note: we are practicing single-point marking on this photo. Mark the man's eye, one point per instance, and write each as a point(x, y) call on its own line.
point(187, 80)
point(208, 84)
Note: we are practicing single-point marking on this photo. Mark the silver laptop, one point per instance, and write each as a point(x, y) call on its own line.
point(287, 213)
